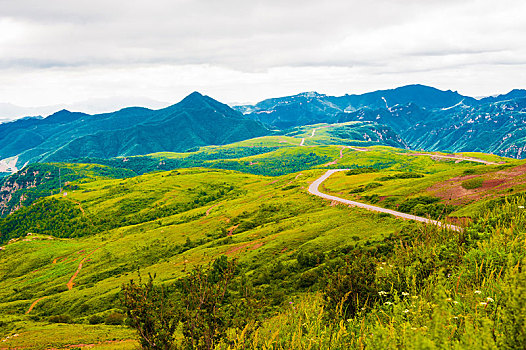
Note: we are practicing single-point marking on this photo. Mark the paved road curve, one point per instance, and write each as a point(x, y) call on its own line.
point(313, 188)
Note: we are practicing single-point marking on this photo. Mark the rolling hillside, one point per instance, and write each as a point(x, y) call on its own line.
point(64, 259)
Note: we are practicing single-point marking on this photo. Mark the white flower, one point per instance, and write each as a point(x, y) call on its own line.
point(455, 302)
point(382, 293)
point(521, 206)
point(483, 303)
point(449, 299)
point(405, 294)
point(405, 311)
point(478, 292)
point(388, 303)
point(490, 300)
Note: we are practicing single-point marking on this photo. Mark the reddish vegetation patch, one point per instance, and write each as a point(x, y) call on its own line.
point(247, 246)
point(494, 184)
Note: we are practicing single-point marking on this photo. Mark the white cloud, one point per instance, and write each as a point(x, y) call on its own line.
point(63, 51)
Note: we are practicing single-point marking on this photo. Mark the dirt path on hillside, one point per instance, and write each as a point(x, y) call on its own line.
point(34, 304)
point(336, 160)
point(70, 284)
point(359, 149)
point(313, 189)
point(459, 158)
point(210, 209)
point(302, 141)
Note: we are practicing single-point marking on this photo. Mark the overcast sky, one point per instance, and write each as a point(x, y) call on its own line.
point(64, 51)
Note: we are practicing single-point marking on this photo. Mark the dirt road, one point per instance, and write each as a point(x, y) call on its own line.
point(459, 158)
point(313, 189)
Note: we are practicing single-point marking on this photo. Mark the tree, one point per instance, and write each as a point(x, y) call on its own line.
point(151, 313)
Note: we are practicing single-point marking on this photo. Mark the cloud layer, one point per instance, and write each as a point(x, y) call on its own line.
point(64, 51)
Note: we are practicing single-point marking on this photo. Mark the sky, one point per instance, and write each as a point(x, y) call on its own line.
point(64, 52)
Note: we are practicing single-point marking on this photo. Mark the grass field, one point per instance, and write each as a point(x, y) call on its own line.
point(164, 223)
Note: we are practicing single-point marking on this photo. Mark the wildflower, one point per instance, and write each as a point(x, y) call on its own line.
point(388, 303)
point(483, 303)
point(405, 294)
point(413, 328)
point(521, 206)
point(290, 302)
point(349, 320)
point(455, 302)
point(415, 297)
point(455, 317)
point(405, 311)
point(449, 299)
point(478, 292)
point(382, 293)
point(490, 300)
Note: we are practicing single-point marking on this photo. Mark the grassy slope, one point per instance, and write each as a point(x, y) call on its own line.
point(169, 246)
point(28, 271)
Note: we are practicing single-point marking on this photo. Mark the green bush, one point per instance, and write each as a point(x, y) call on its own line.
point(60, 319)
point(115, 318)
point(473, 183)
point(350, 286)
point(361, 171)
point(406, 175)
point(96, 319)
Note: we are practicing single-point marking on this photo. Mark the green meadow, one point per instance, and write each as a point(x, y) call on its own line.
point(72, 252)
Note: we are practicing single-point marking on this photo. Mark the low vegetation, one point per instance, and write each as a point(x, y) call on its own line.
point(218, 259)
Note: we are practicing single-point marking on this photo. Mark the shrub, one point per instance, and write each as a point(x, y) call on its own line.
point(405, 175)
point(361, 171)
point(472, 183)
point(115, 318)
point(350, 285)
point(60, 319)
point(96, 319)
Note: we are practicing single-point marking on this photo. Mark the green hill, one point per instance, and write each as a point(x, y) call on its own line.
point(195, 121)
point(66, 256)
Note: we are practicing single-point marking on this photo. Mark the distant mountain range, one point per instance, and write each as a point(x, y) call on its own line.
point(195, 121)
point(413, 116)
point(424, 117)
point(9, 111)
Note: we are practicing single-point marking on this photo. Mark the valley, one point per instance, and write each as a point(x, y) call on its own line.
point(315, 216)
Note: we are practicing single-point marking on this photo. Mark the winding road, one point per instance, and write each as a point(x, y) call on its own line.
point(313, 189)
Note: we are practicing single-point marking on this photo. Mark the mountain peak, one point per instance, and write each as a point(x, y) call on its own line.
point(63, 116)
